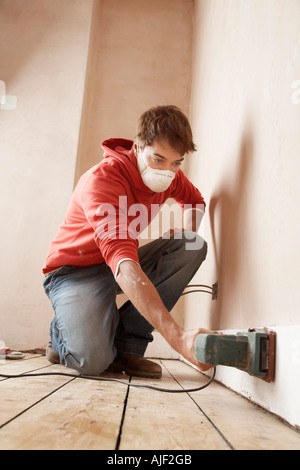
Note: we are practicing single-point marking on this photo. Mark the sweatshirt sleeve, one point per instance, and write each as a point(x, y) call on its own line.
point(103, 200)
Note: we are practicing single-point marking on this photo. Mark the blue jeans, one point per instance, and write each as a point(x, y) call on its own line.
point(88, 329)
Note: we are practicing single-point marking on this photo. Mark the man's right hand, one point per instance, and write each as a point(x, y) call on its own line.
point(188, 347)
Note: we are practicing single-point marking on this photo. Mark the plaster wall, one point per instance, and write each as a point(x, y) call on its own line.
point(245, 113)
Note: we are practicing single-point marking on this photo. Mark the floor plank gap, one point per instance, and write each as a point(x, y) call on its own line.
point(123, 417)
point(203, 412)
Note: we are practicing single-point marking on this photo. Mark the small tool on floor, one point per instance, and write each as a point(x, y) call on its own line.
point(252, 351)
point(6, 353)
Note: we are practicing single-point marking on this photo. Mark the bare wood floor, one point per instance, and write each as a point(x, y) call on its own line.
point(59, 412)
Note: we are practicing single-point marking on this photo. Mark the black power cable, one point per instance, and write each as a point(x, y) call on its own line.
point(110, 379)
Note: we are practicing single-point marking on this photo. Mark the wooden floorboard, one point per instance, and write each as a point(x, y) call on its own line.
point(18, 395)
point(58, 412)
point(166, 421)
point(30, 362)
point(244, 425)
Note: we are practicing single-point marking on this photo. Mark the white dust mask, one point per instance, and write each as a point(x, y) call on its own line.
point(156, 180)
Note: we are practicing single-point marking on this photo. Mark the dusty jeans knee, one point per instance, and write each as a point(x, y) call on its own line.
point(86, 316)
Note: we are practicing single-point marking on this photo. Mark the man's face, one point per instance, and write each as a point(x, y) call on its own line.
point(160, 156)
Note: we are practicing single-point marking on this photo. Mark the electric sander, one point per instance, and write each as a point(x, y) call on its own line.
point(252, 351)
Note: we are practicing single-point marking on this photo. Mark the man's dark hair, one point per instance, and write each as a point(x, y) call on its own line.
point(166, 123)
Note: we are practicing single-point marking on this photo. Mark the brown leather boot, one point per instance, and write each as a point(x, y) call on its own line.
point(51, 354)
point(135, 365)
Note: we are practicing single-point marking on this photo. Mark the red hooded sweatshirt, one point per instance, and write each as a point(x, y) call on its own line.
point(109, 207)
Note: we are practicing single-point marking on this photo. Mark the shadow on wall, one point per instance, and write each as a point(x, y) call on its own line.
point(230, 215)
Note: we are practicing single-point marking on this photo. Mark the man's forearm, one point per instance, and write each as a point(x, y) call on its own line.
point(142, 293)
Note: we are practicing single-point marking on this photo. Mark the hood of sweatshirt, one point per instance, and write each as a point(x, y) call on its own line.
point(121, 150)
point(118, 148)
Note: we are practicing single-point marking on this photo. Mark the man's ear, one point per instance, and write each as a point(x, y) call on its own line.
point(136, 148)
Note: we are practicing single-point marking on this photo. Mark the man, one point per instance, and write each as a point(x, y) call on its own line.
point(95, 254)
